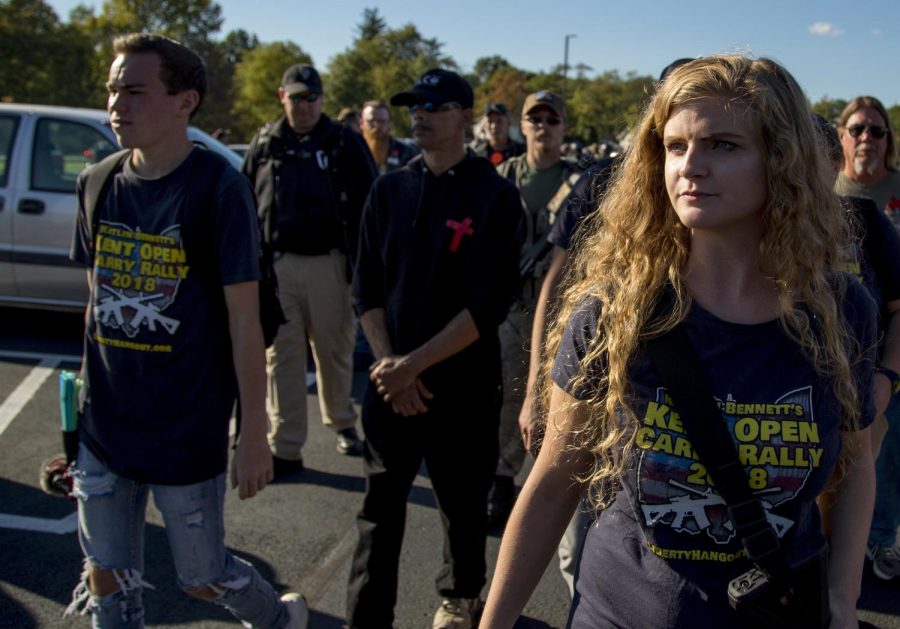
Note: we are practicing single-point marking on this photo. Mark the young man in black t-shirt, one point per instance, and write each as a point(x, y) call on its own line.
point(171, 341)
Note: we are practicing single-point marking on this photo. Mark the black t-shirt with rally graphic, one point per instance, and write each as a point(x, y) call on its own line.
point(663, 553)
point(158, 352)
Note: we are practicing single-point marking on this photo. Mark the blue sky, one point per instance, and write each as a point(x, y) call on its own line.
point(836, 49)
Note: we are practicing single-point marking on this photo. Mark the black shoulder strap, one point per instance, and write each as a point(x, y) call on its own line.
point(333, 142)
point(97, 181)
point(676, 361)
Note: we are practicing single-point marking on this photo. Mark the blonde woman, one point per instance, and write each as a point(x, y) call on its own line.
point(723, 210)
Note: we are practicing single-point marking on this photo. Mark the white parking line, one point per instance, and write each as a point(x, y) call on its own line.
point(62, 526)
point(39, 356)
point(23, 393)
point(315, 584)
point(9, 410)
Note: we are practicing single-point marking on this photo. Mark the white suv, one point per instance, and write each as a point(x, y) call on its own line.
point(42, 150)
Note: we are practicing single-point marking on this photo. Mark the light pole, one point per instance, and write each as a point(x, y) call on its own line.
point(566, 64)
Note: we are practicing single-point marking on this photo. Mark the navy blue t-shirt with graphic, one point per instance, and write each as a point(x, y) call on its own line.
point(663, 553)
point(157, 351)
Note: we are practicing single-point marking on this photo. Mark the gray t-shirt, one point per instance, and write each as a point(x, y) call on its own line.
point(885, 193)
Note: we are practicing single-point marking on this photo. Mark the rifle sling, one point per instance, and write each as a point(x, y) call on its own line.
point(676, 361)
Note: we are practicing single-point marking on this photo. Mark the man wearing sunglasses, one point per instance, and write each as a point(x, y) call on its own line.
point(311, 177)
point(870, 166)
point(870, 171)
point(437, 271)
point(544, 179)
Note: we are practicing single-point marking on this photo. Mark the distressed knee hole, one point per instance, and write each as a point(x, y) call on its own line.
point(215, 591)
point(102, 581)
point(99, 586)
point(204, 592)
point(194, 520)
point(92, 484)
point(105, 581)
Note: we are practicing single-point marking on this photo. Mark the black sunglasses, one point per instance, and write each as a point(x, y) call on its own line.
point(432, 107)
point(875, 130)
point(308, 97)
point(550, 121)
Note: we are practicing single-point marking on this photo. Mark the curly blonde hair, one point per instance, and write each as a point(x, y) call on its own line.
point(635, 250)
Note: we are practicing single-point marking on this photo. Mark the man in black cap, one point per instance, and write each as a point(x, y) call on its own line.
point(497, 146)
point(311, 177)
point(437, 271)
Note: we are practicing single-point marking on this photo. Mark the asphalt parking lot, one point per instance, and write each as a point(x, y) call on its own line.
point(299, 533)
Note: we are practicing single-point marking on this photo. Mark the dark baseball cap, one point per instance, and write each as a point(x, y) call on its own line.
point(496, 108)
point(437, 86)
point(301, 78)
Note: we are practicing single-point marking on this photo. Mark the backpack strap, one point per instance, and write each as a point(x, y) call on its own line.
point(98, 180)
point(268, 153)
point(333, 143)
point(571, 173)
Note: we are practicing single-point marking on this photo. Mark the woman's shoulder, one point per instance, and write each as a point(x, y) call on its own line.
point(859, 307)
point(584, 317)
point(578, 336)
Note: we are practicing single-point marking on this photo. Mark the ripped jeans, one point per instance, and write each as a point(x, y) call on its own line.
point(111, 512)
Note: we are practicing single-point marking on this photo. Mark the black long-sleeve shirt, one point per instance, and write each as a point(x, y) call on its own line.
point(431, 246)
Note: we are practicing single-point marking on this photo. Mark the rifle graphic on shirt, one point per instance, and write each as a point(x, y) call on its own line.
point(686, 507)
point(112, 306)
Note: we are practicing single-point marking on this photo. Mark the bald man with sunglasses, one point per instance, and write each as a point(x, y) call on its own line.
point(870, 155)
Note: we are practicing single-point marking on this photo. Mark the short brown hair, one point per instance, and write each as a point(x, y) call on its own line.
point(181, 69)
point(870, 101)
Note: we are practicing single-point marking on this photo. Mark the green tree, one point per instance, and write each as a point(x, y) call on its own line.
point(606, 106)
point(485, 68)
point(191, 22)
point(380, 66)
point(238, 42)
point(894, 113)
point(256, 80)
point(215, 111)
point(44, 61)
point(829, 108)
point(372, 25)
point(507, 85)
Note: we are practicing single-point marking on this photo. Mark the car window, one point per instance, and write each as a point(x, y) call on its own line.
point(62, 149)
point(8, 125)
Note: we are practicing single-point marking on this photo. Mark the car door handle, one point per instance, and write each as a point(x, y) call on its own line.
point(31, 206)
